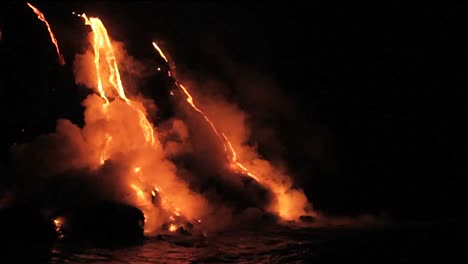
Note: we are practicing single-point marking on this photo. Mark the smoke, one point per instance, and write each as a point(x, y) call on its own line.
point(269, 132)
point(109, 158)
point(232, 122)
point(175, 135)
point(133, 72)
point(245, 131)
point(178, 169)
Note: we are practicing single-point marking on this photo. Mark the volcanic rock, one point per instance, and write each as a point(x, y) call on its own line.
point(104, 222)
point(25, 229)
point(307, 218)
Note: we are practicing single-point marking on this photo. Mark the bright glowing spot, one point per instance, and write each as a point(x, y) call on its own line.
point(160, 51)
point(172, 228)
point(58, 223)
point(138, 191)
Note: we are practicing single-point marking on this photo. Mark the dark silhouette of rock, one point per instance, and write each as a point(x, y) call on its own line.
point(26, 234)
point(307, 218)
point(103, 222)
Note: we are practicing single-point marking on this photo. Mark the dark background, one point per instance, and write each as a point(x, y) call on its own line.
point(368, 102)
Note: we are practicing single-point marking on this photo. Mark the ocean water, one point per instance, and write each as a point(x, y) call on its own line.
point(396, 244)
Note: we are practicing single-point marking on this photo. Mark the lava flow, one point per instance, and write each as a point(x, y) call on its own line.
point(124, 158)
point(102, 42)
point(289, 204)
point(52, 36)
point(129, 138)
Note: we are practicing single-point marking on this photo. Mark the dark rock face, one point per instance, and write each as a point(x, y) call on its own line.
point(26, 233)
point(100, 223)
point(307, 218)
point(103, 222)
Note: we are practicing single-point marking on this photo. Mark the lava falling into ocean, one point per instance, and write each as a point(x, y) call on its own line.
point(41, 17)
point(289, 204)
point(124, 151)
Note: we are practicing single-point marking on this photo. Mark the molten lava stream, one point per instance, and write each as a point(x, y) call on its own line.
point(109, 86)
point(151, 179)
point(288, 203)
point(52, 36)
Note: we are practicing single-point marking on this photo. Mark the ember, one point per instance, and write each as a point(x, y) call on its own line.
point(58, 222)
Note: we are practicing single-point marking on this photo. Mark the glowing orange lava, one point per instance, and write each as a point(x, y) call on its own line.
point(103, 50)
point(289, 204)
point(58, 223)
point(160, 51)
point(172, 228)
point(121, 134)
point(52, 36)
point(102, 43)
point(228, 148)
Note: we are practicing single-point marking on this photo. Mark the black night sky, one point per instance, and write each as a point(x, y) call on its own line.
point(368, 102)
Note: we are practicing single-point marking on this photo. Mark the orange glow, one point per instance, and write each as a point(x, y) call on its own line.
point(228, 148)
point(160, 51)
point(103, 49)
point(129, 155)
point(236, 162)
point(289, 204)
point(52, 36)
point(194, 106)
point(58, 223)
point(103, 157)
point(138, 191)
point(102, 41)
point(172, 228)
point(119, 131)
point(103, 44)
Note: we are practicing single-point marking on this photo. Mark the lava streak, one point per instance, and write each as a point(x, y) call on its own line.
point(289, 204)
point(123, 143)
point(103, 44)
point(160, 51)
point(228, 148)
point(52, 36)
point(114, 143)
